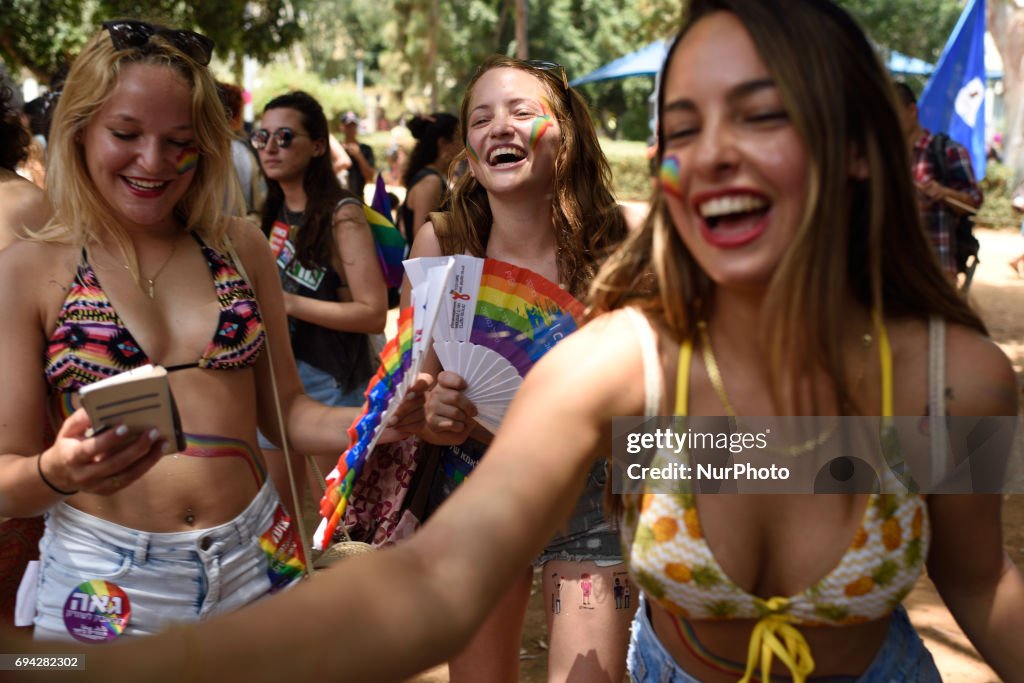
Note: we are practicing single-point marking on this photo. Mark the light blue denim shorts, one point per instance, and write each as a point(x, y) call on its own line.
point(167, 577)
point(903, 658)
point(322, 387)
point(588, 536)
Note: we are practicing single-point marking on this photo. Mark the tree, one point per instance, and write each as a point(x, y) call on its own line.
point(901, 25)
point(41, 35)
point(1005, 21)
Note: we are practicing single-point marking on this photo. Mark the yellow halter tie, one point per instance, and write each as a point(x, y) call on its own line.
point(775, 635)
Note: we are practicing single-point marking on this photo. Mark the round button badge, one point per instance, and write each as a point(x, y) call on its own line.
point(97, 611)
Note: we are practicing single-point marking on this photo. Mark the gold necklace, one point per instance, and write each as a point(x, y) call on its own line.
point(715, 376)
point(151, 281)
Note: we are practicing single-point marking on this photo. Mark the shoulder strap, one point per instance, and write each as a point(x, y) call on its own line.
point(937, 396)
point(938, 149)
point(653, 383)
point(682, 405)
point(347, 200)
point(277, 407)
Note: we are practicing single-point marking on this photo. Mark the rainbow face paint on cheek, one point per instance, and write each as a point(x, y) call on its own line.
point(187, 160)
point(542, 124)
point(471, 151)
point(669, 178)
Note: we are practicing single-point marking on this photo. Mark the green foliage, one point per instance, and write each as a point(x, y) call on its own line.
point(278, 79)
point(44, 34)
point(41, 35)
point(997, 211)
point(918, 28)
point(630, 169)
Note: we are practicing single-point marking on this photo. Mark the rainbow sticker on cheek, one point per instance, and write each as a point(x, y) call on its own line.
point(542, 124)
point(187, 160)
point(669, 177)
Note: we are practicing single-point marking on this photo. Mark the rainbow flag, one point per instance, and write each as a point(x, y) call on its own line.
point(391, 246)
point(384, 393)
point(521, 314)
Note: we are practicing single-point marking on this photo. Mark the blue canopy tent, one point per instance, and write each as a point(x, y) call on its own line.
point(899, 63)
point(647, 61)
point(644, 62)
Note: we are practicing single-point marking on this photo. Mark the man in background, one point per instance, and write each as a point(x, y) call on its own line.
point(247, 167)
point(362, 170)
point(947, 190)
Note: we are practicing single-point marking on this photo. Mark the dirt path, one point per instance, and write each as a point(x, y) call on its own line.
point(998, 294)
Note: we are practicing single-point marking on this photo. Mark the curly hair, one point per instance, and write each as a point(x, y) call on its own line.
point(14, 139)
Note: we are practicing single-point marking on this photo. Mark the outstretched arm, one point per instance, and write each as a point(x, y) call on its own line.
point(431, 592)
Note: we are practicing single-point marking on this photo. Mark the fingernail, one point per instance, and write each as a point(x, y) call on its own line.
point(154, 434)
point(121, 430)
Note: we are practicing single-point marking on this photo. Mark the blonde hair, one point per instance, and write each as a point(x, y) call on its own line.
point(80, 213)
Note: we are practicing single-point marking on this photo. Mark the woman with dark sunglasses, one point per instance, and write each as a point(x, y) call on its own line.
point(335, 294)
point(141, 264)
point(538, 195)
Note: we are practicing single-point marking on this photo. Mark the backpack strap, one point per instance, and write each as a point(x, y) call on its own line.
point(938, 149)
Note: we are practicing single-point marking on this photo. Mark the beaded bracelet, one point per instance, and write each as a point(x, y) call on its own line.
point(39, 468)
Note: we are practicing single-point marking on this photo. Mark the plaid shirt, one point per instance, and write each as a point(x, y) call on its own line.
point(939, 219)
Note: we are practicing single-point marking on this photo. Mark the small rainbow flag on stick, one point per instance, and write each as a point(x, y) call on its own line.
point(400, 364)
point(391, 245)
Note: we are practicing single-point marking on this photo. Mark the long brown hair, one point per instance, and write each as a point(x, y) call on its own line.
point(314, 243)
point(859, 238)
point(586, 217)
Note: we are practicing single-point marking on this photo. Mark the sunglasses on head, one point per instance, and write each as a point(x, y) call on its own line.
point(282, 136)
point(542, 65)
point(130, 34)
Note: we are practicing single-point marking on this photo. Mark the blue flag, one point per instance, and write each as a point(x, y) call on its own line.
point(954, 99)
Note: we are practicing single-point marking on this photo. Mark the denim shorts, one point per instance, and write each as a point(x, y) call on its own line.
point(163, 578)
point(903, 658)
point(323, 388)
point(587, 537)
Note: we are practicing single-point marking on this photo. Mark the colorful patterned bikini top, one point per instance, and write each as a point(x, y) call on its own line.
point(673, 563)
point(91, 342)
